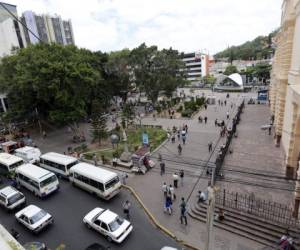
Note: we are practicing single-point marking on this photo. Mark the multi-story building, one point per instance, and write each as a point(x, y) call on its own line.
point(50, 29)
point(196, 65)
point(285, 90)
point(11, 35)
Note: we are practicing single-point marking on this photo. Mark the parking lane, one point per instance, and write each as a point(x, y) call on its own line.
point(68, 207)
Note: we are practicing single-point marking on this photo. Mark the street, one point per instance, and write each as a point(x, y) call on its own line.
point(69, 206)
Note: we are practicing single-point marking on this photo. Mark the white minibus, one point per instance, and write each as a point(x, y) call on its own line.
point(28, 154)
point(98, 181)
point(58, 163)
point(8, 163)
point(38, 180)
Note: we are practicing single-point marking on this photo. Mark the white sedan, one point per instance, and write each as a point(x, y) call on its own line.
point(34, 218)
point(106, 222)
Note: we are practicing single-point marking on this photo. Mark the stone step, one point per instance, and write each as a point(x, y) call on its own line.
point(256, 220)
point(251, 228)
point(235, 231)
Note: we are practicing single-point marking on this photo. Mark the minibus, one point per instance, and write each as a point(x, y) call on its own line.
point(8, 163)
point(38, 180)
point(101, 182)
point(58, 163)
point(28, 154)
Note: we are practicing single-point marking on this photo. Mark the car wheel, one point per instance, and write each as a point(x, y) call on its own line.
point(109, 239)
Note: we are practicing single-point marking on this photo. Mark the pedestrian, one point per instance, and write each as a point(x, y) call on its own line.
point(162, 168)
point(124, 176)
point(179, 149)
point(175, 179)
point(225, 102)
point(200, 119)
point(201, 197)
point(210, 146)
point(205, 119)
point(126, 209)
point(205, 106)
point(183, 140)
point(172, 192)
point(231, 105)
point(221, 215)
point(183, 211)
point(178, 135)
point(227, 115)
point(181, 174)
point(219, 102)
point(95, 159)
point(270, 128)
point(186, 128)
point(168, 135)
point(44, 134)
point(168, 204)
point(165, 189)
point(159, 157)
point(154, 118)
point(216, 122)
point(173, 138)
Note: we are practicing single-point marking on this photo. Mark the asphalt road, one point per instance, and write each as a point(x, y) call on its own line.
point(69, 205)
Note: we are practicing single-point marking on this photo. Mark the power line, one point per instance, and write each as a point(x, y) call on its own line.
point(19, 21)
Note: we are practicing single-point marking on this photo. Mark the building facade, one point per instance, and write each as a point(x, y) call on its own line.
point(285, 90)
point(196, 65)
point(11, 34)
point(50, 29)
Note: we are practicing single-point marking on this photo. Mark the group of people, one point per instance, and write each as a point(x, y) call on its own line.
point(180, 133)
point(200, 119)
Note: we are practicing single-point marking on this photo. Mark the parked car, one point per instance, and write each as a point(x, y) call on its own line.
point(11, 198)
point(34, 218)
point(35, 245)
point(106, 222)
point(97, 246)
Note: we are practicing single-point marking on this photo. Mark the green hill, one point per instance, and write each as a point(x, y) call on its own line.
point(259, 48)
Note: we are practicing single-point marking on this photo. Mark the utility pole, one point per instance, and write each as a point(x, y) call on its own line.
point(210, 214)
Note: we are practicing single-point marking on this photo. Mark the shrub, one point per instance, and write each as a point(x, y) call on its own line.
point(187, 113)
point(180, 108)
point(200, 101)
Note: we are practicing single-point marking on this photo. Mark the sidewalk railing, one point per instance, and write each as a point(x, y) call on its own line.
point(270, 211)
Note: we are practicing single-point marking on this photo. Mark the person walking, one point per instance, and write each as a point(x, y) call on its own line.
point(216, 122)
point(178, 135)
point(44, 134)
point(205, 119)
point(183, 140)
point(183, 211)
point(172, 192)
point(179, 149)
point(175, 179)
point(270, 129)
point(95, 159)
point(227, 115)
point(165, 189)
point(181, 174)
point(168, 204)
point(225, 102)
point(162, 168)
point(126, 209)
point(159, 157)
point(210, 146)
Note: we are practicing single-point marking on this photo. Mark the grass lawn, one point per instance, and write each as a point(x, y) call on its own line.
point(134, 140)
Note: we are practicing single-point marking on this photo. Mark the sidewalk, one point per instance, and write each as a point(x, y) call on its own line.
point(149, 186)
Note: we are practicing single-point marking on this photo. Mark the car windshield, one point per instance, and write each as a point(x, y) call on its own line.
point(116, 224)
point(38, 216)
point(47, 181)
point(111, 183)
point(15, 198)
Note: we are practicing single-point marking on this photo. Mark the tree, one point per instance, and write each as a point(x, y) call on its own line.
point(209, 80)
point(99, 119)
point(54, 79)
point(230, 69)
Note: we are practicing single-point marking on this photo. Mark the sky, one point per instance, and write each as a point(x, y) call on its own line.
point(186, 25)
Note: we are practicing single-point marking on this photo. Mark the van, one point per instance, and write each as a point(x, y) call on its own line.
point(8, 163)
point(38, 180)
point(28, 154)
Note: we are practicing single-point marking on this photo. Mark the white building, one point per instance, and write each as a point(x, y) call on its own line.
point(196, 65)
point(11, 35)
point(50, 29)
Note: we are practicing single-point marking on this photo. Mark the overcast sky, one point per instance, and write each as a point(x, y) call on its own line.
point(185, 25)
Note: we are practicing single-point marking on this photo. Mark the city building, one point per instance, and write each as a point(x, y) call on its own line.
point(196, 65)
point(50, 29)
point(11, 35)
point(285, 90)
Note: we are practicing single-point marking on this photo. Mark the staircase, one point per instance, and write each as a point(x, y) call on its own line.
point(247, 225)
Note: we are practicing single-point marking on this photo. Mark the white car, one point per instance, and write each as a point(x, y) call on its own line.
point(11, 198)
point(34, 218)
point(106, 222)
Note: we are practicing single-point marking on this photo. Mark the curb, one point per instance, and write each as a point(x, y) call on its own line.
point(160, 145)
point(155, 222)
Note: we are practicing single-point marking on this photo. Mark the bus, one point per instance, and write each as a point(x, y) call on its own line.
point(98, 181)
point(58, 163)
point(38, 180)
point(8, 163)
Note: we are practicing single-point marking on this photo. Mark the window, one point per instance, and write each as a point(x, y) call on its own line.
point(104, 226)
point(97, 223)
point(13, 199)
point(19, 163)
point(94, 184)
point(49, 180)
point(3, 168)
point(2, 199)
point(38, 216)
point(71, 164)
point(111, 183)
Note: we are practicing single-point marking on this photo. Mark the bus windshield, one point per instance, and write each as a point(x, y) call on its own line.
point(48, 181)
point(112, 182)
point(72, 164)
point(17, 164)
